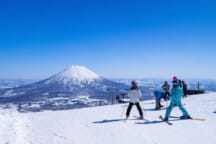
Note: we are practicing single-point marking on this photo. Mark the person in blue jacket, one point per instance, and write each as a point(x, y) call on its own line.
point(158, 95)
point(176, 96)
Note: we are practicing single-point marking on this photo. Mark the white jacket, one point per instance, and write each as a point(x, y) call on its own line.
point(134, 95)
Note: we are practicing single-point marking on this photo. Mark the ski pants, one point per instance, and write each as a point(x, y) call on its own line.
point(166, 94)
point(171, 106)
point(185, 93)
point(157, 102)
point(130, 107)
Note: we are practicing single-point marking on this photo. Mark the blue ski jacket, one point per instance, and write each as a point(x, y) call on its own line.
point(159, 94)
point(176, 95)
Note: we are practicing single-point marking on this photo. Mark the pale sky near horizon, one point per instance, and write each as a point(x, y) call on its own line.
point(115, 39)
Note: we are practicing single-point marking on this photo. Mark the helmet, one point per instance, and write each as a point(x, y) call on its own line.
point(134, 83)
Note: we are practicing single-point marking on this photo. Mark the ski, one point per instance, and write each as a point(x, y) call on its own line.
point(201, 119)
point(168, 122)
point(138, 118)
point(125, 120)
point(146, 120)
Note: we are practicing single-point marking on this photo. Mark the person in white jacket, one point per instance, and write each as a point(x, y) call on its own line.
point(135, 95)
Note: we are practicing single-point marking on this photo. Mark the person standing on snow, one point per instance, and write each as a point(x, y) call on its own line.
point(176, 96)
point(184, 89)
point(135, 95)
point(166, 88)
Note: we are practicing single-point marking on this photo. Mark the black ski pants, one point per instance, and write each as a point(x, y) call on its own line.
point(166, 94)
point(185, 93)
point(130, 107)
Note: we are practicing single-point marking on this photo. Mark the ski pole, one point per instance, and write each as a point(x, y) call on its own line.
point(123, 110)
point(143, 109)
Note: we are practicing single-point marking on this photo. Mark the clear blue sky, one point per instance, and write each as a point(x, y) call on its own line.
point(114, 38)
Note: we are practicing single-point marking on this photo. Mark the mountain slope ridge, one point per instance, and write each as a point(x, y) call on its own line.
point(71, 83)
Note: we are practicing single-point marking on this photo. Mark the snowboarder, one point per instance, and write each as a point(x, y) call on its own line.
point(166, 88)
point(158, 95)
point(135, 95)
point(184, 89)
point(176, 96)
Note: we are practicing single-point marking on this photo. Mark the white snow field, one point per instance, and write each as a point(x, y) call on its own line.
point(105, 125)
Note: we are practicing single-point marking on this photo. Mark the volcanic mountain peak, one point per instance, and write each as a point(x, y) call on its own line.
point(77, 73)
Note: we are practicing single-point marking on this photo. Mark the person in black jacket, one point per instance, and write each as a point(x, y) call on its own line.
point(166, 88)
point(184, 89)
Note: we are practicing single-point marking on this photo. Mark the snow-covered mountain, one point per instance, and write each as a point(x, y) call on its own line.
point(76, 86)
point(105, 125)
point(76, 74)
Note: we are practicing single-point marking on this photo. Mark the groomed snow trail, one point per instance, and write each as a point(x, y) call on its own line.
point(104, 125)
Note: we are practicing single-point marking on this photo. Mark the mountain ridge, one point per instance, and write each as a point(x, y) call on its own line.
point(71, 83)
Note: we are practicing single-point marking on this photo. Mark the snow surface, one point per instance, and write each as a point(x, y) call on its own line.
point(77, 73)
point(105, 125)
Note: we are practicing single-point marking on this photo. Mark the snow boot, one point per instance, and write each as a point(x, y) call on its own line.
point(185, 117)
point(160, 105)
point(166, 119)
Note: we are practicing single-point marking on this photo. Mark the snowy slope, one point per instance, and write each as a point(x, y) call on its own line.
point(104, 125)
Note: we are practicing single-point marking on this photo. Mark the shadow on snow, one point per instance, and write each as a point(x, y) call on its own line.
point(110, 121)
point(158, 121)
point(136, 118)
point(107, 121)
point(154, 109)
point(150, 122)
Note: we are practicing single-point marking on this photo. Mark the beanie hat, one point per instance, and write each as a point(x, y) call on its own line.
point(134, 83)
point(174, 78)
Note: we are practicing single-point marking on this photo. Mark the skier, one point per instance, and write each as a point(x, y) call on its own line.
point(158, 95)
point(166, 88)
point(184, 89)
point(135, 95)
point(176, 95)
